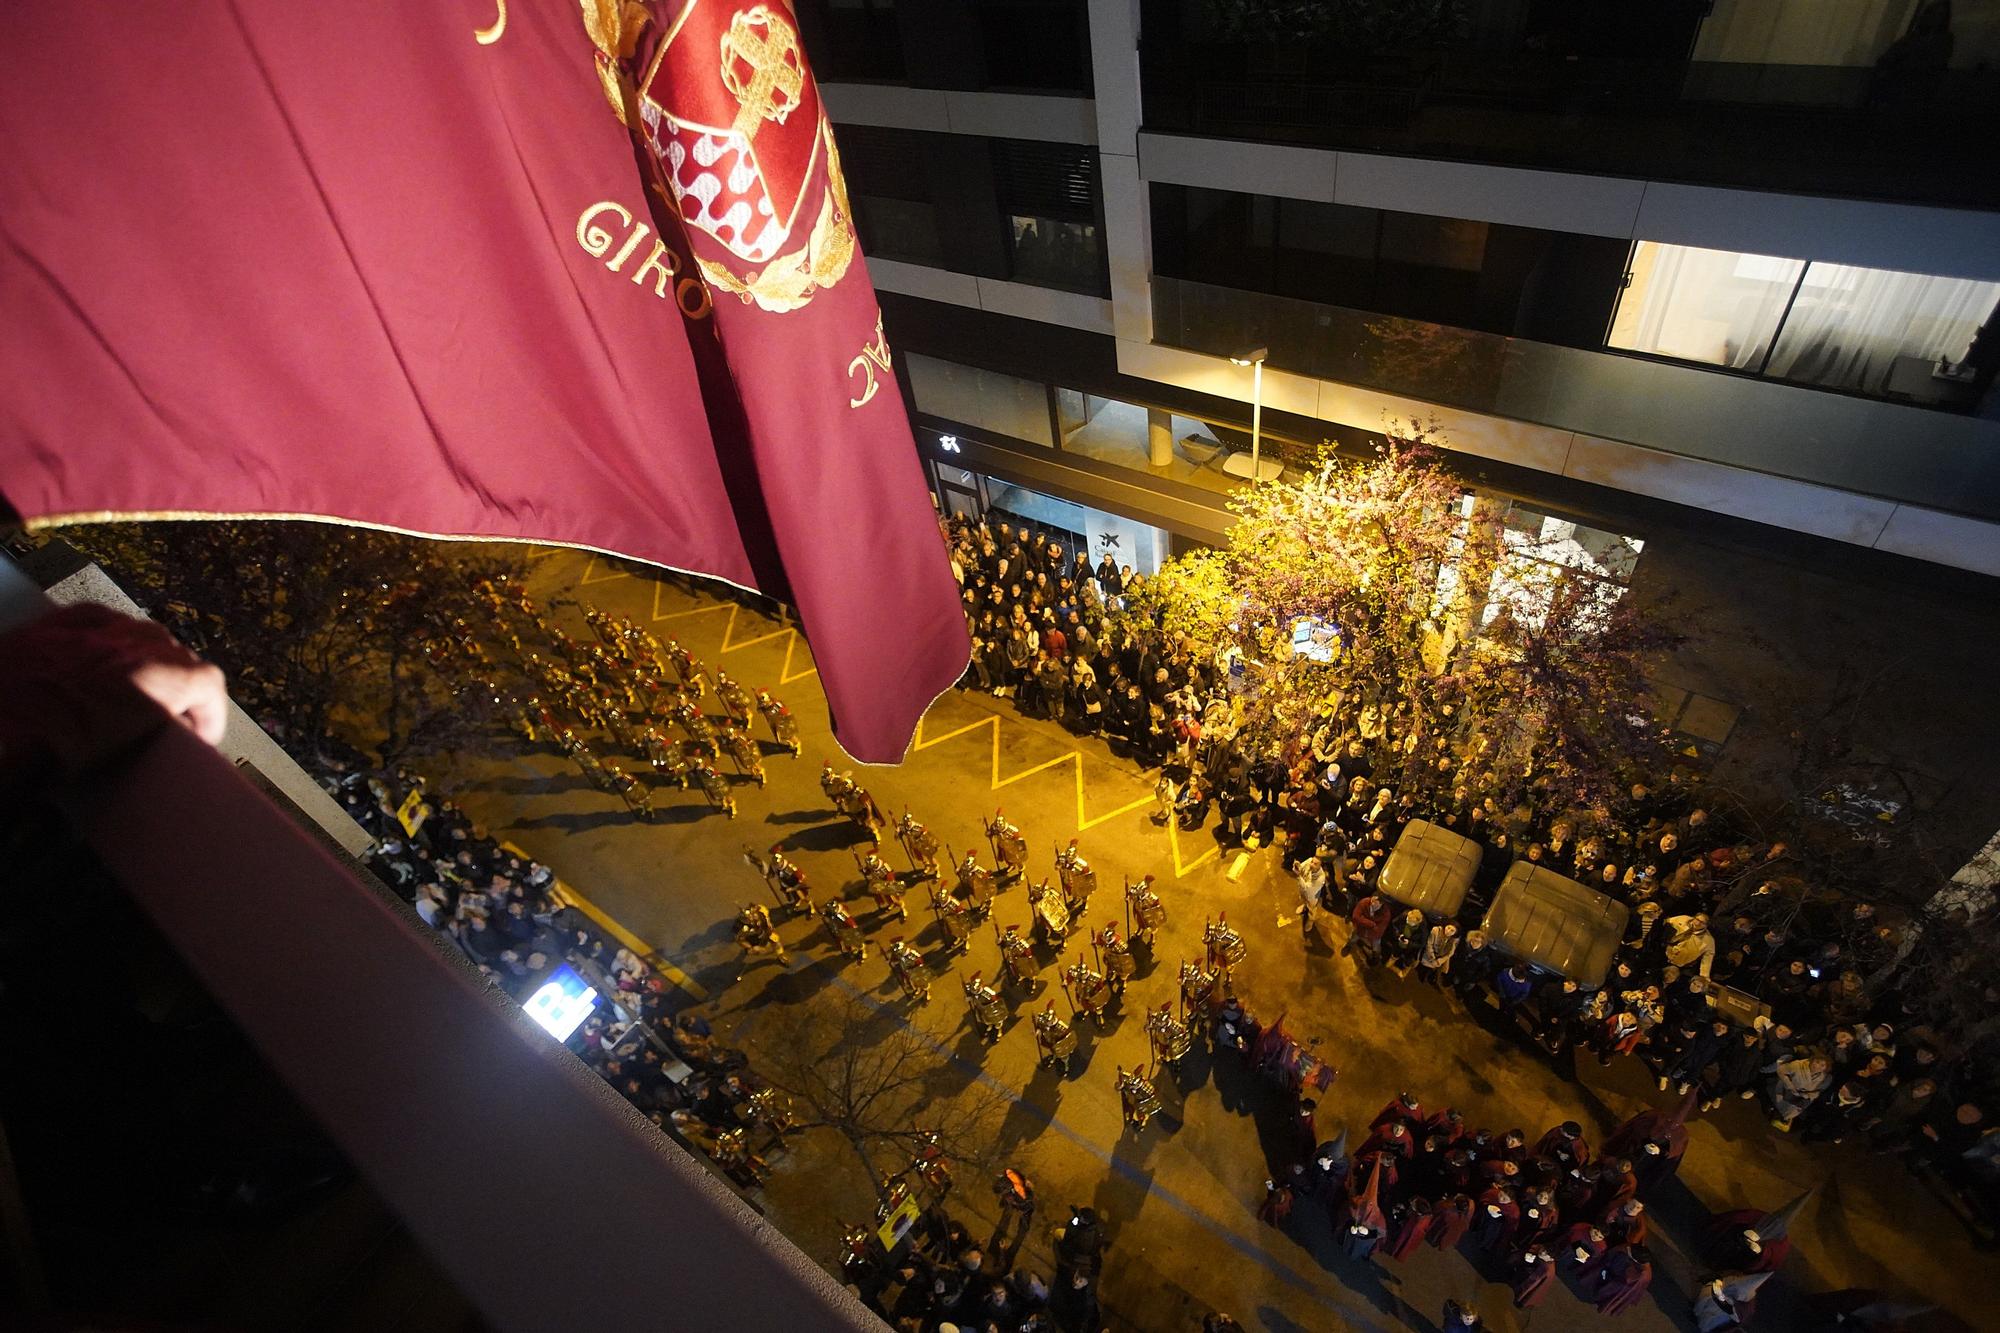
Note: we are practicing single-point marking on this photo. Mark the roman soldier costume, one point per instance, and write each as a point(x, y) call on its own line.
point(1054, 1038)
point(846, 931)
point(907, 965)
point(1170, 1038)
point(988, 1011)
point(1017, 955)
point(1077, 878)
point(919, 844)
point(1145, 912)
point(1087, 989)
point(1114, 956)
point(1010, 849)
point(882, 885)
point(735, 700)
point(784, 727)
point(1226, 949)
point(1137, 1097)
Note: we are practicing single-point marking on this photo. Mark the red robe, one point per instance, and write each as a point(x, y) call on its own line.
point(1412, 1118)
point(1556, 1144)
point(1402, 1145)
point(1577, 1238)
point(1530, 1280)
point(1409, 1234)
point(1622, 1279)
point(1722, 1243)
point(1450, 1221)
point(1496, 1233)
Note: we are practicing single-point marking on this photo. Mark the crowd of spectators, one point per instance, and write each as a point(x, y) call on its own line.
point(504, 912)
point(1733, 980)
point(943, 1279)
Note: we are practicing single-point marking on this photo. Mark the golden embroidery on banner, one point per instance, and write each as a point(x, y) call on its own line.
point(789, 281)
point(662, 264)
point(776, 65)
point(614, 27)
point(488, 36)
point(762, 69)
point(874, 359)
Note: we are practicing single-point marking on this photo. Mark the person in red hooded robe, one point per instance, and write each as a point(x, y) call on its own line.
point(1404, 1107)
point(1362, 1226)
point(1747, 1241)
point(1392, 1137)
point(1450, 1220)
point(1414, 1220)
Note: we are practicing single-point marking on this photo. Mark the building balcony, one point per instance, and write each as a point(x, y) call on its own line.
point(1872, 447)
point(1865, 131)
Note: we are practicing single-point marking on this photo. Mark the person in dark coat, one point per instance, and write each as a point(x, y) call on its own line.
point(1497, 1219)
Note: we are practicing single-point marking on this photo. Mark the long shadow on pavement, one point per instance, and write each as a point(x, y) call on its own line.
point(580, 822)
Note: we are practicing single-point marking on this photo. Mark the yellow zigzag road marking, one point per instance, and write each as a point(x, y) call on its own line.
point(590, 565)
point(1075, 759)
point(791, 635)
point(1182, 866)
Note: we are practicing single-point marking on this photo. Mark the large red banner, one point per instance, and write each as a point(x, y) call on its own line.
point(583, 274)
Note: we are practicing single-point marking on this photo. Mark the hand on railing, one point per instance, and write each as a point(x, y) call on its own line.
point(80, 683)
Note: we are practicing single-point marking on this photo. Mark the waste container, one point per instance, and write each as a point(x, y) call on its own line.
point(1431, 869)
point(1555, 923)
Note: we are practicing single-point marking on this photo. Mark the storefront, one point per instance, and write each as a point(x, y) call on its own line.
point(976, 496)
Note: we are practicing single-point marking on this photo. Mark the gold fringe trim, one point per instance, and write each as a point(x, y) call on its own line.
point(46, 522)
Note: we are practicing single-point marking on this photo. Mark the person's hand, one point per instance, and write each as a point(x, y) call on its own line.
point(192, 692)
point(86, 681)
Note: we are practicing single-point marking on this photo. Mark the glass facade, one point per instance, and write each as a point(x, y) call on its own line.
point(1875, 99)
point(1829, 325)
point(1054, 252)
point(1004, 404)
point(972, 495)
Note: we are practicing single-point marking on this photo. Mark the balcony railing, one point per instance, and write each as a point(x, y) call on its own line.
point(1918, 135)
point(1865, 445)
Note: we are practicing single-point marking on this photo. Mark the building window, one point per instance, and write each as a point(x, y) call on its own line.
point(1048, 195)
point(985, 399)
point(899, 229)
point(1830, 325)
point(1536, 555)
point(1052, 252)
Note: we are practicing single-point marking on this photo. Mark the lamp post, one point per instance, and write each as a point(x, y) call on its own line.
point(1255, 360)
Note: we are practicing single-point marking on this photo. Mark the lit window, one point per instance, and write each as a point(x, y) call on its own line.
point(1833, 325)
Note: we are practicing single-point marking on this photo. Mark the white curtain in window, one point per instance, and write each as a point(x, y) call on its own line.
point(1802, 32)
point(1714, 306)
point(1849, 324)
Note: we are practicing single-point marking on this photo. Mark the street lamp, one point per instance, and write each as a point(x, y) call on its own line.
point(1254, 360)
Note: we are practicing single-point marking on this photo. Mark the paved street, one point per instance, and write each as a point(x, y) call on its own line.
point(1180, 1199)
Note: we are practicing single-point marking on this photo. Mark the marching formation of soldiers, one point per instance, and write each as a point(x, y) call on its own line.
point(625, 698)
point(963, 891)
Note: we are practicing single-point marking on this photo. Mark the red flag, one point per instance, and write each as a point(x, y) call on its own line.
point(405, 266)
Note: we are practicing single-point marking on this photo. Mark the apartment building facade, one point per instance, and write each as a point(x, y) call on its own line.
point(1705, 290)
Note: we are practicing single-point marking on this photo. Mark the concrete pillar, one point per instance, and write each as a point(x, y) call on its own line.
point(1159, 437)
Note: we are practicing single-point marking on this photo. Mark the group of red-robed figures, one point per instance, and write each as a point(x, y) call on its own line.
point(1536, 1212)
